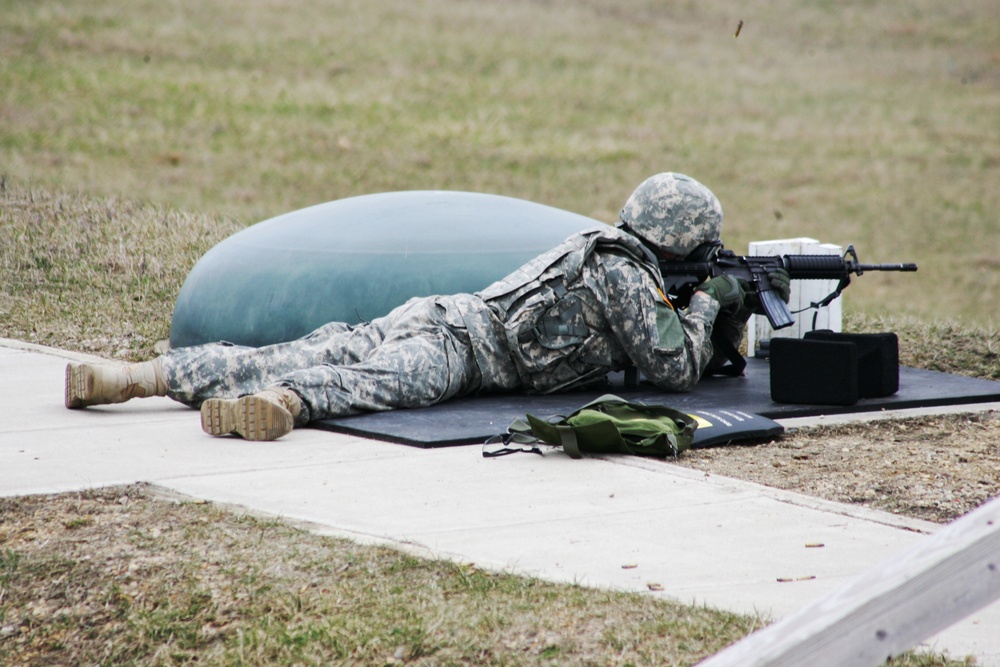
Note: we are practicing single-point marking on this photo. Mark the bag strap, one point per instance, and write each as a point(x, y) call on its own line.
point(569, 444)
point(516, 440)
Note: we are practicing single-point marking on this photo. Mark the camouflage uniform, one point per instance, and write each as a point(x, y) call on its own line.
point(589, 306)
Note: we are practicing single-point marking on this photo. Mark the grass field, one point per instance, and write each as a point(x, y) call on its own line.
point(858, 122)
point(134, 136)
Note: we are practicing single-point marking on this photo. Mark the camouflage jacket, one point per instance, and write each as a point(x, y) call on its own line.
point(591, 305)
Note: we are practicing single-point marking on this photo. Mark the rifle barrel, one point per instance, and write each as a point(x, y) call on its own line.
point(887, 267)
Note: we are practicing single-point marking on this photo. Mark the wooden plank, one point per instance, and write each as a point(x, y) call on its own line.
point(890, 608)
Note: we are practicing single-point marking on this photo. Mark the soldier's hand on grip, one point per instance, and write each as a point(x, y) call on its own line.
point(727, 290)
point(781, 282)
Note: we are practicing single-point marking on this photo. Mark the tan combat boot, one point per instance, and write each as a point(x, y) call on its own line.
point(100, 384)
point(266, 415)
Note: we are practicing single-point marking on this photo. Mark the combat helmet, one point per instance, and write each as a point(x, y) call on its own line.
point(673, 213)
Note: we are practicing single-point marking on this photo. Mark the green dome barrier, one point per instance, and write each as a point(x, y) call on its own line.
point(355, 259)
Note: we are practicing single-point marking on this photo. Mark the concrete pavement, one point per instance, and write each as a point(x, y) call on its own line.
point(704, 539)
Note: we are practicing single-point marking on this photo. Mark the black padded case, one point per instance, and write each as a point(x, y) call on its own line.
point(878, 360)
point(814, 372)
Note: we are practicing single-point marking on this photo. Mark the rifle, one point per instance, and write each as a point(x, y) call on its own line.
point(681, 278)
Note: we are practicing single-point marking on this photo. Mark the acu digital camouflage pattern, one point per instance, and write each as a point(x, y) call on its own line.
point(417, 355)
point(591, 305)
point(674, 213)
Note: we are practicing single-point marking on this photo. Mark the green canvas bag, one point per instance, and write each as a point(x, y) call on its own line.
point(606, 425)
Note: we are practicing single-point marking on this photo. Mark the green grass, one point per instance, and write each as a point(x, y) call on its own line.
point(865, 123)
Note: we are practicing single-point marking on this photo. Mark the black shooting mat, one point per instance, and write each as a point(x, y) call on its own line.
point(473, 420)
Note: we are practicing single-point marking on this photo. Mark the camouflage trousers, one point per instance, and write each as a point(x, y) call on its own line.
point(417, 355)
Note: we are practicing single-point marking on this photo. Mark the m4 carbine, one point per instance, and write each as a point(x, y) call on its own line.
point(681, 278)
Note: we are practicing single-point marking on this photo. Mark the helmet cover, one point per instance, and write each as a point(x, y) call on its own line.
point(673, 213)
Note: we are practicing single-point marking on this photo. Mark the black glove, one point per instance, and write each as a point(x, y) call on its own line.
point(781, 283)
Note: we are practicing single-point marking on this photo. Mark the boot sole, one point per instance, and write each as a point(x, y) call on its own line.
point(250, 417)
point(79, 385)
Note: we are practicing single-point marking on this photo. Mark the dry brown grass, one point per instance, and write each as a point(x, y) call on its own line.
point(933, 468)
point(865, 123)
point(95, 274)
point(117, 577)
